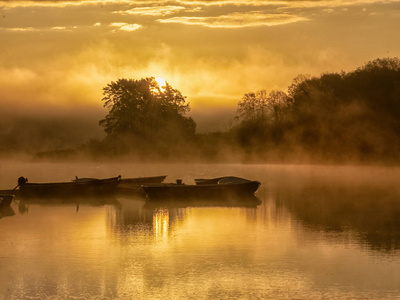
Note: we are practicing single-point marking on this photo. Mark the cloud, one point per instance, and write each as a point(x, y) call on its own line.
point(126, 26)
point(40, 29)
point(20, 29)
point(59, 28)
point(66, 3)
point(190, 3)
point(152, 10)
point(51, 68)
point(285, 3)
point(27, 3)
point(232, 13)
point(237, 20)
point(296, 3)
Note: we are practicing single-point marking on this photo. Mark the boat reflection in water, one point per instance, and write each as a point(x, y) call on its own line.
point(6, 199)
point(77, 201)
point(137, 214)
point(249, 201)
point(6, 211)
point(5, 208)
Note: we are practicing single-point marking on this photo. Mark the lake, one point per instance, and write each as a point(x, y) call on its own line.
point(320, 232)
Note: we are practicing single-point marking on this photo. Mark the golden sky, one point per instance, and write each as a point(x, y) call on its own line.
point(60, 54)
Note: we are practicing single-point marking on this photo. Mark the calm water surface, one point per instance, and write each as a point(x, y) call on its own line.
point(319, 233)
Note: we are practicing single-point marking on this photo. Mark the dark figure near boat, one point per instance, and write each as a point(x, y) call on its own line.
point(22, 180)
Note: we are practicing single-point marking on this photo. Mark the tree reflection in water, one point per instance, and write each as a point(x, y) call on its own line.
point(372, 211)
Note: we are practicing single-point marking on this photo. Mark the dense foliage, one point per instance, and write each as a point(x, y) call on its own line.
point(142, 108)
point(144, 115)
point(337, 117)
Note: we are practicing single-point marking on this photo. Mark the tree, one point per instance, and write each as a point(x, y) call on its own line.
point(252, 107)
point(354, 115)
point(264, 109)
point(278, 106)
point(263, 117)
point(144, 111)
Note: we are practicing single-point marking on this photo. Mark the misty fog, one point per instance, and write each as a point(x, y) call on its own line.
point(31, 132)
point(334, 118)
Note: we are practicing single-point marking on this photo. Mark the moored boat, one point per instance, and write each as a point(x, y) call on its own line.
point(220, 180)
point(129, 182)
point(219, 188)
point(72, 188)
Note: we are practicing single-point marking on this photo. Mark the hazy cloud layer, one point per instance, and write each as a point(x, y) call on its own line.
point(237, 20)
point(126, 26)
point(152, 10)
point(58, 55)
point(291, 3)
point(212, 14)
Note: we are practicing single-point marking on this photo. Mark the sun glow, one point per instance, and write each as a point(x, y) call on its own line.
point(161, 83)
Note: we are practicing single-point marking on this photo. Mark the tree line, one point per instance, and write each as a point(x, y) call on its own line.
point(340, 117)
point(335, 117)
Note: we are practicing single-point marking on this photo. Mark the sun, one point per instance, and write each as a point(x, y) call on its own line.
point(161, 83)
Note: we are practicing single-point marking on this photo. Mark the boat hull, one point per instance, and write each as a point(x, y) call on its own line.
point(143, 180)
point(93, 187)
point(136, 183)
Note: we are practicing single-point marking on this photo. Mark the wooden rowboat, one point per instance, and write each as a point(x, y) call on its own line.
point(130, 182)
point(218, 188)
point(72, 188)
point(131, 185)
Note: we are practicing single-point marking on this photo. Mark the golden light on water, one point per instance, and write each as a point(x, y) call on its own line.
point(284, 248)
point(161, 224)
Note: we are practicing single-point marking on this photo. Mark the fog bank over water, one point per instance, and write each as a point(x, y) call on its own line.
point(211, 119)
point(28, 132)
point(274, 175)
point(46, 128)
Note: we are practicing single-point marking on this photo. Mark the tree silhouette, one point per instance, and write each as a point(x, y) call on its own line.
point(355, 115)
point(142, 112)
point(338, 117)
point(263, 117)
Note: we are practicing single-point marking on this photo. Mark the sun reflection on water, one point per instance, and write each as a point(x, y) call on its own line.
point(161, 224)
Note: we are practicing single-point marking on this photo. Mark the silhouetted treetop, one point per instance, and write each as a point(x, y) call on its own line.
point(387, 63)
point(143, 109)
point(262, 106)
